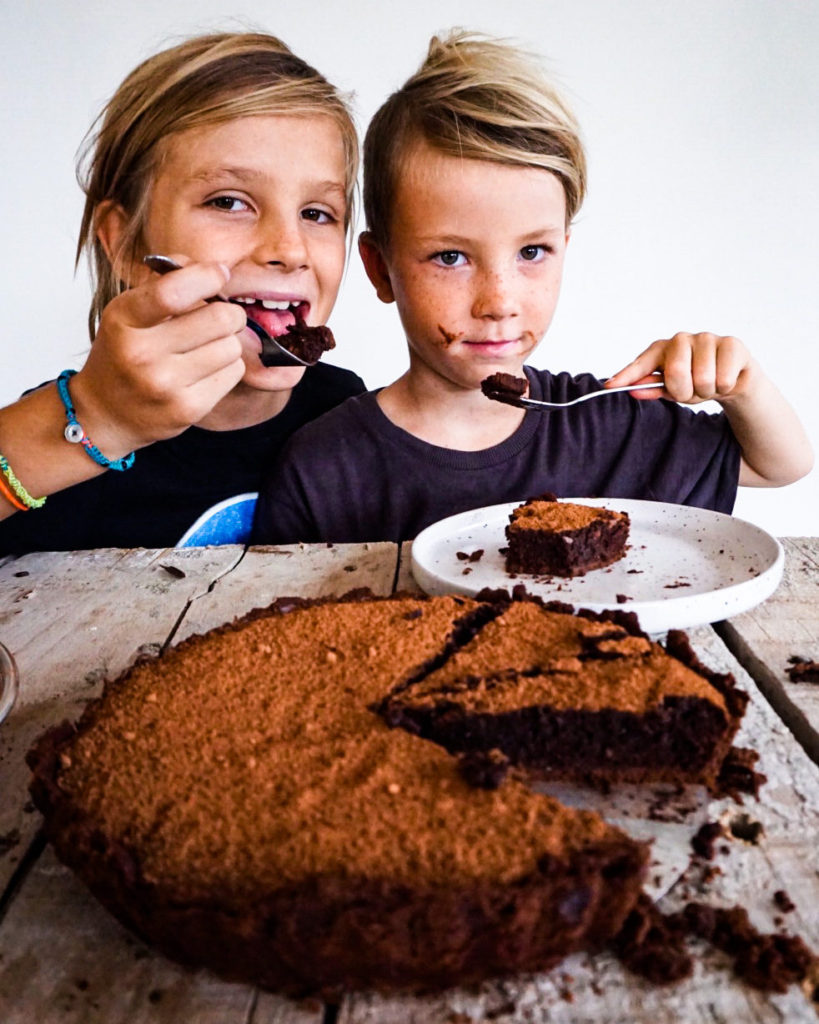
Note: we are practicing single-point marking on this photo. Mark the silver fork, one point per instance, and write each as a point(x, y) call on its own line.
point(535, 403)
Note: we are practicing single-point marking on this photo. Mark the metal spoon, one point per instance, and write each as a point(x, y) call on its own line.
point(273, 352)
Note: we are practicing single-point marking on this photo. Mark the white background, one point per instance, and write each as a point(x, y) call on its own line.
point(701, 119)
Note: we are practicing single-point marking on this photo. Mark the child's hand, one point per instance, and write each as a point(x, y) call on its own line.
point(161, 359)
point(695, 368)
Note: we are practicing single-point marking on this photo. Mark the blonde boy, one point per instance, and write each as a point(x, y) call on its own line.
point(473, 173)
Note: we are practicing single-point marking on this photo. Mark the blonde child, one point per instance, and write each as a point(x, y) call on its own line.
point(473, 173)
point(235, 157)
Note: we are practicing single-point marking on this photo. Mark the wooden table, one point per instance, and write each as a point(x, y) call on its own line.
point(72, 619)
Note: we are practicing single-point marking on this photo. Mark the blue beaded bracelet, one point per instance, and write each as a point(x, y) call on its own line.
point(76, 435)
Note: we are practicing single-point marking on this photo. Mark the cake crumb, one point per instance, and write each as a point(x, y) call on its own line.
point(470, 556)
point(9, 840)
point(745, 828)
point(705, 839)
point(783, 901)
point(802, 671)
point(738, 775)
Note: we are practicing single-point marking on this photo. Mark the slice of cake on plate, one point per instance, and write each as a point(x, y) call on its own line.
point(559, 538)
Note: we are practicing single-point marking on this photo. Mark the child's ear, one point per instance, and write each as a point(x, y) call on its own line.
point(110, 226)
point(376, 266)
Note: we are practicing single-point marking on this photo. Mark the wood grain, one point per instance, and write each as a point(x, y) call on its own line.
point(786, 625)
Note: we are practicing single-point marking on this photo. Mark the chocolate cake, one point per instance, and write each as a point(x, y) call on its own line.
point(244, 802)
point(308, 343)
point(580, 697)
point(504, 387)
point(559, 538)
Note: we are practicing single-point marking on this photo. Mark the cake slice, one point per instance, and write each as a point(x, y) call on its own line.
point(558, 538)
point(504, 387)
point(575, 697)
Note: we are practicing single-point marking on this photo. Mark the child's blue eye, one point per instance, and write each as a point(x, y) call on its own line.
point(449, 258)
point(531, 253)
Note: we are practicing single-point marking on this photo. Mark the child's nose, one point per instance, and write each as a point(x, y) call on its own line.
point(494, 297)
point(281, 243)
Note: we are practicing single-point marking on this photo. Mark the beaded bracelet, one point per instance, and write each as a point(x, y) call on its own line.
point(13, 491)
point(75, 434)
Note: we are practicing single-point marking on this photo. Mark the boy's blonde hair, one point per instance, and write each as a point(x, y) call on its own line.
point(205, 80)
point(478, 98)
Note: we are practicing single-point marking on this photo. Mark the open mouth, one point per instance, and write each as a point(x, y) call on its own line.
point(274, 315)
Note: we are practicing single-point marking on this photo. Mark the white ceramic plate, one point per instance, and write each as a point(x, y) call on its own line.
point(683, 566)
point(8, 682)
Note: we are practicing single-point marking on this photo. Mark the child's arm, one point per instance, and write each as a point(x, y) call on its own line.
point(160, 362)
point(697, 367)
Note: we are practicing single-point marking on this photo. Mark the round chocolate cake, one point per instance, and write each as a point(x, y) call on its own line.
point(258, 800)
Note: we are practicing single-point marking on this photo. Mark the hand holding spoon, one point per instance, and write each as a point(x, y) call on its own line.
point(313, 340)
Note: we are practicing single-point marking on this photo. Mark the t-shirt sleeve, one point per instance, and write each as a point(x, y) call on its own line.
point(283, 514)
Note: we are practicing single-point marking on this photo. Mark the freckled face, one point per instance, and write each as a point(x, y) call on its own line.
point(474, 262)
point(266, 196)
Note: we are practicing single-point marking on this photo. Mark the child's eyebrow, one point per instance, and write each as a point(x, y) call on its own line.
point(215, 176)
point(454, 241)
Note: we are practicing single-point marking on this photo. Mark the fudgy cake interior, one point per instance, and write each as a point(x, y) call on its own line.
point(575, 697)
point(308, 343)
point(560, 538)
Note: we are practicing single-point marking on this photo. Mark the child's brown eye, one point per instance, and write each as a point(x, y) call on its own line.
point(229, 203)
point(318, 216)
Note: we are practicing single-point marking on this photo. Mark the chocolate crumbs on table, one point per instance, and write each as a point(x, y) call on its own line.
point(704, 841)
point(801, 670)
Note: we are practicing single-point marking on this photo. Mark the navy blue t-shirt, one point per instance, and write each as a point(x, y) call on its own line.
point(353, 475)
point(171, 483)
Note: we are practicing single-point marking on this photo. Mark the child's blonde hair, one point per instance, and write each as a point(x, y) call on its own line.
point(205, 80)
point(478, 98)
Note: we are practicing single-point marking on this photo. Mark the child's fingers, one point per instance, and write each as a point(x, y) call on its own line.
point(203, 394)
point(732, 359)
point(715, 364)
point(161, 297)
point(641, 370)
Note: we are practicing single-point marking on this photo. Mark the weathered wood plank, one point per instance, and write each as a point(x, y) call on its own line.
point(295, 570)
point(65, 960)
point(70, 620)
point(405, 579)
point(787, 624)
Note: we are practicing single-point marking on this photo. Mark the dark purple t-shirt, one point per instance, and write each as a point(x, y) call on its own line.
point(352, 475)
